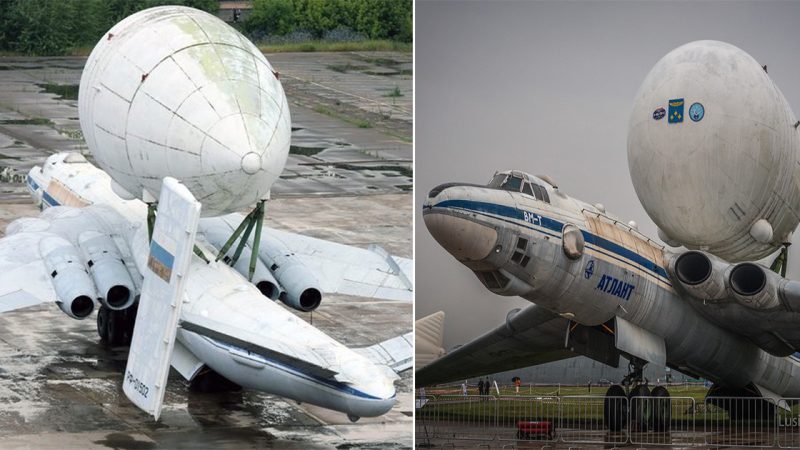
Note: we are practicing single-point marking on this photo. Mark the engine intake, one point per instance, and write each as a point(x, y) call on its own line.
point(701, 274)
point(302, 288)
point(75, 291)
point(754, 286)
point(748, 279)
point(113, 281)
point(693, 268)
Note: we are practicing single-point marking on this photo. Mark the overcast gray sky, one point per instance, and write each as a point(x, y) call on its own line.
point(547, 87)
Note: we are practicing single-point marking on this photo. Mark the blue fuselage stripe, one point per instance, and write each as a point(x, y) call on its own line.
point(49, 199)
point(556, 226)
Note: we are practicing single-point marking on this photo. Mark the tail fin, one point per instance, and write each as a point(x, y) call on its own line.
point(430, 334)
point(162, 296)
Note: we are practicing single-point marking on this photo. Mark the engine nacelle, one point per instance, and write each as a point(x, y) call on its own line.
point(302, 291)
point(106, 266)
point(262, 277)
point(755, 286)
point(701, 274)
point(75, 291)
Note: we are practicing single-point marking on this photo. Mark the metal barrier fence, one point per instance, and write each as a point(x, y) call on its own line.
point(608, 421)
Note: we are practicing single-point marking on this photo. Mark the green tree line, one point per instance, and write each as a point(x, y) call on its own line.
point(54, 27)
point(57, 27)
point(375, 19)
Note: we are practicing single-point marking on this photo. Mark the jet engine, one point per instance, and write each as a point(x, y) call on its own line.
point(262, 277)
point(757, 287)
point(174, 91)
point(75, 291)
point(713, 152)
point(739, 297)
point(111, 277)
point(302, 291)
point(701, 274)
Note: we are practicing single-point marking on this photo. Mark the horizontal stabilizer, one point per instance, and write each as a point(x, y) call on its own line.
point(397, 352)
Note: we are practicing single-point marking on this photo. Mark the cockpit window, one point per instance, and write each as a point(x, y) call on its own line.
point(537, 191)
point(497, 180)
point(512, 184)
point(545, 195)
point(526, 189)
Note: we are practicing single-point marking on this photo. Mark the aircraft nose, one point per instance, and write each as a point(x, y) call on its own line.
point(451, 219)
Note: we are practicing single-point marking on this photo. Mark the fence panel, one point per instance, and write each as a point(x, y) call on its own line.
point(788, 423)
point(467, 417)
point(424, 418)
point(662, 421)
point(739, 422)
point(582, 419)
point(528, 418)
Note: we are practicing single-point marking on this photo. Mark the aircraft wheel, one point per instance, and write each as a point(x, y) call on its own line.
point(353, 418)
point(662, 409)
point(102, 323)
point(130, 322)
point(208, 381)
point(640, 408)
point(615, 408)
point(116, 328)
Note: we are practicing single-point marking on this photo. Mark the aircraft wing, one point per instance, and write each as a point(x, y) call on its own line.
point(340, 269)
point(529, 337)
point(24, 280)
point(345, 269)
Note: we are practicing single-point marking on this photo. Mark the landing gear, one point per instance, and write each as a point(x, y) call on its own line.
point(615, 408)
point(115, 327)
point(640, 408)
point(649, 410)
point(662, 409)
point(208, 381)
point(353, 418)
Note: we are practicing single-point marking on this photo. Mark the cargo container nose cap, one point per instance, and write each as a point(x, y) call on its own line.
point(251, 163)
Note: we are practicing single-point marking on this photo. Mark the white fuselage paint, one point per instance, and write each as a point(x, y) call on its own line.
point(225, 302)
point(620, 273)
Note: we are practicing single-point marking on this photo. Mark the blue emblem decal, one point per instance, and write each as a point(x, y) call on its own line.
point(659, 114)
point(675, 111)
point(589, 271)
point(696, 112)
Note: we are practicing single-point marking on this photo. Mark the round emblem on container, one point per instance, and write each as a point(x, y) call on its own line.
point(659, 114)
point(696, 112)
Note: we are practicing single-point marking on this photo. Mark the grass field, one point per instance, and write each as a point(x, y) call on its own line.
point(569, 403)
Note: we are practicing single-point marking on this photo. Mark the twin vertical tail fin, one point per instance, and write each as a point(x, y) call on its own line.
point(162, 297)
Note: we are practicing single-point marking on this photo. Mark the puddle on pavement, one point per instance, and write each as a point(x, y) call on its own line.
point(403, 171)
point(344, 68)
point(305, 151)
point(63, 91)
point(29, 121)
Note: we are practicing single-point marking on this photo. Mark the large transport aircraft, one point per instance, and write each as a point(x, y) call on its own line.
point(186, 117)
point(716, 178)
point(601, 289)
